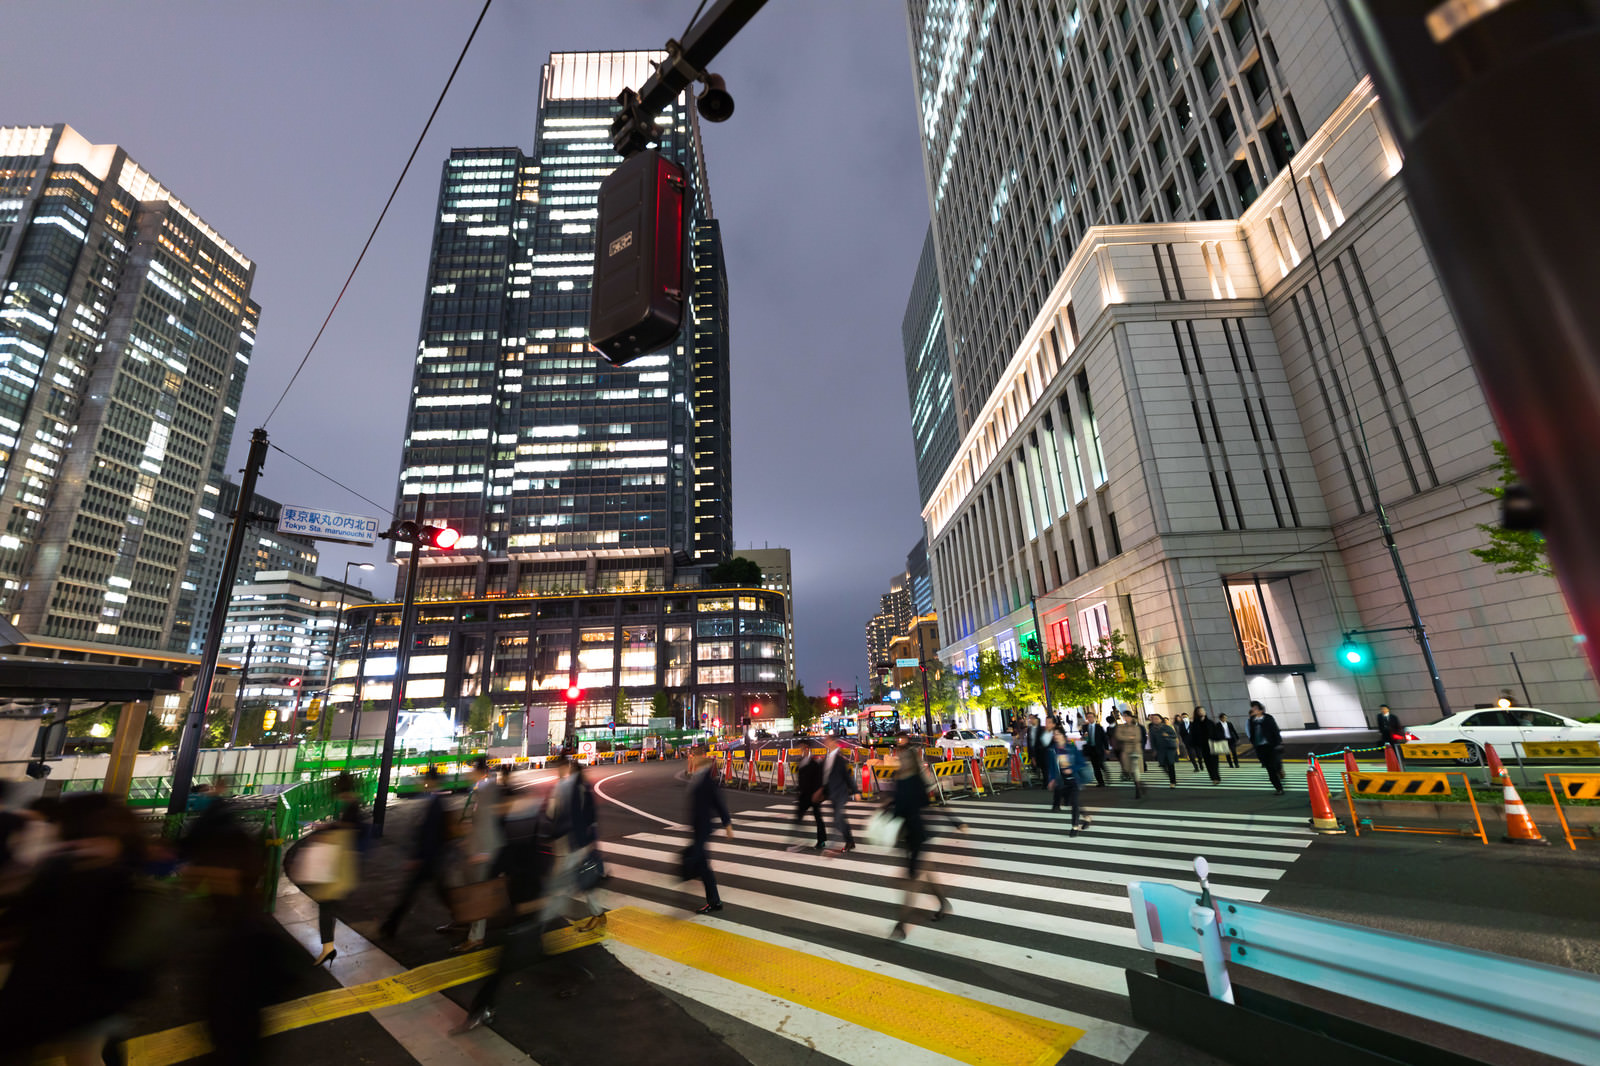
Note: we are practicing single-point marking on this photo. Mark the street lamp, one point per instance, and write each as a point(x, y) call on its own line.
point(333, 652)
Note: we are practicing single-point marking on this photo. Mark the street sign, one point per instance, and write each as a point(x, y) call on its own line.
point(907, 662)
point(586, 748)
point(327, 525)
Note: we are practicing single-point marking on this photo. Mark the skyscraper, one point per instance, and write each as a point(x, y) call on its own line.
point(521, 436)
point(582, 491)
point(125, 334)
point(1198, 348)
point(928, 380)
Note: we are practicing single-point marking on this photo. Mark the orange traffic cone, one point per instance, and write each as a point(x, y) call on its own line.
point(1497, 769)
point(783, 761)
point(1016, 769)
point(867, 781)
point(1519, 827)
point(975, 768)
point(1322, 819)
point(1350, 766)
point(1391, 759)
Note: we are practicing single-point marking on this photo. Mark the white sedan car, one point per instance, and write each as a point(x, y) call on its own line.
point(1503, 728)
point(976, 739)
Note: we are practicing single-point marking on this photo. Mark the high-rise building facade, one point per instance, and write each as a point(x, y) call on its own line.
point(520, 435)
point(282, 621)
point(569, 479)
point(1198, 344)
point(778, 576)
point(264, 549)
point(125, 334)
point(928, 379)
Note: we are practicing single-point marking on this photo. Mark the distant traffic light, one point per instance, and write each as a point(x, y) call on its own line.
point(574, 693)
point(1032, 645)
point(294, 682)
point(755, 708)
point(835, 699)
point(637, 299)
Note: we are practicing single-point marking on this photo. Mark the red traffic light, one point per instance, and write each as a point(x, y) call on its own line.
point(441, 536)
point(755, 708)
point(294, 682)
point(835, 699)
point(636, 299)
point(574, 693)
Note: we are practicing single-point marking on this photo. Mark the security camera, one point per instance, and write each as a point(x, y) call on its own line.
point(714, 102)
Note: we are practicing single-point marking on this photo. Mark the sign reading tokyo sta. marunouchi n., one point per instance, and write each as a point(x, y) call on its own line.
point(327, 525)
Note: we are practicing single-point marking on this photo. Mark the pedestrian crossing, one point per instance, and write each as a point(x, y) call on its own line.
point(1248, 776)
point(1040, 921)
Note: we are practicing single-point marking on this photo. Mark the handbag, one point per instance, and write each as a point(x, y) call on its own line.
point(591, 871)
point(883, 829)
point(694, 862)
point(1219, 747)
point(479, 900)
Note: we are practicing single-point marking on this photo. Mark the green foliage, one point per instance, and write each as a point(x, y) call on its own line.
point(481, 715)
point(802, 708)
point(1511, 551)
point(1080, 677)
point(154, 734)
point(661, 704)
point(621, 709)
point(735, 571)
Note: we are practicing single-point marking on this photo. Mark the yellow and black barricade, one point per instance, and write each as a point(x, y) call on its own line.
point(1561, 749)
point(950, 776)
point(1379, 786)
point(1423, 751)
point(1571, 787)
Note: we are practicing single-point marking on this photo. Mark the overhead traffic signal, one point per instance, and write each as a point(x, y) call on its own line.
point(835, 699)
point(574, 693)
point(636, 303)
point(424, 536)
point(1353, 654)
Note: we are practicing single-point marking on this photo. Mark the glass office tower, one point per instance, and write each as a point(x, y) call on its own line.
point(126, 330)
point(520, 434)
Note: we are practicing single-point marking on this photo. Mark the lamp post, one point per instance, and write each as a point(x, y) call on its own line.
point(333, 652)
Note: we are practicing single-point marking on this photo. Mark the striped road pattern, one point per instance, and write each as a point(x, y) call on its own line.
point(1040, 925)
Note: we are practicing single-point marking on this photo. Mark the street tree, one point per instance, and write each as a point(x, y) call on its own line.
point(481, 715)
point(1511, 551)
point(735, 571)
point(802, 708)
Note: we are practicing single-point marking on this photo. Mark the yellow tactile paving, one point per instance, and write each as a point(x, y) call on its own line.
point(951, 1025)
point(185, 1042)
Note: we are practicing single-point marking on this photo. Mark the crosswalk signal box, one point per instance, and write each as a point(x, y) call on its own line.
point(636, 305)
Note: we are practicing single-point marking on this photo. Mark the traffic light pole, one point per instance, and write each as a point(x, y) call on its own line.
point(927, 704)
point(1044, 655)
point(401, 656)
point(238, 692)
point(194, 723)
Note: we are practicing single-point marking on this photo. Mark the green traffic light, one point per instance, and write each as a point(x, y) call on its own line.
point(1354, 655)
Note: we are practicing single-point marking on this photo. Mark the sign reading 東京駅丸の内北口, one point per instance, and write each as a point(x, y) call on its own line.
point(327, 525)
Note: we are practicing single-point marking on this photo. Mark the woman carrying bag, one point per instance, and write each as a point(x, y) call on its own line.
point(1068, 770)
point(329, 864)
point(907, 805)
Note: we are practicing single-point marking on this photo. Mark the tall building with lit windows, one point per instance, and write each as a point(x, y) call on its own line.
point(567, 477)
point(126, 330)
point(1196, 344)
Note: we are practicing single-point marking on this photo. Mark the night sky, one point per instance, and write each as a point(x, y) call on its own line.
point(284, 125)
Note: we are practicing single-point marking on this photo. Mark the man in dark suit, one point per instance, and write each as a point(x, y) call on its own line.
point(1268, 741)
point(705, 806)
point(838, 785)
point(1390, 729)
point(808, 782)
point(1096, 744)
point(1038, 738)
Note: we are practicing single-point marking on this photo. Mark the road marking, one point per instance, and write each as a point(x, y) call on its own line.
point(1103, 1039)
point(627, 807)
point(954, 1027)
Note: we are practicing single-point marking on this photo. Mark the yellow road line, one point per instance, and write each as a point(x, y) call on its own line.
point(951, 1025)
point(185, 1042)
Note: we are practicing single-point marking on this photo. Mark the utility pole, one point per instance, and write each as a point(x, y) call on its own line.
point(402, 654)
point(194, 723)
point(1044, 656)
point(238, 693)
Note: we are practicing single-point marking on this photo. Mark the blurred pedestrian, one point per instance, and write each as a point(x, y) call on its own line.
point(839, 785)
point(1205, 736)
point(1164, 741)
point(1268, 742)
point(1128, 737)
point(88, 932)
point(1096, 746)
point(574, 830)
point(808, 783)
point(706, 805)
point(1068, 771)
point(345, 839)
point(909, 801)
point(430, 849)
point(1038, 740)
point(1231, 735)
point(524, 862)
point(484, 839)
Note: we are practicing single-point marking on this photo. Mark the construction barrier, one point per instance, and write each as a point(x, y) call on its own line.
point(950, 777)
point(1376, 786)
point(1561, 749)
point(1428, 752)
point(995, 767)
point(1519, 826)
point(764, 773)
point(1322, 818)
point(1572, 787)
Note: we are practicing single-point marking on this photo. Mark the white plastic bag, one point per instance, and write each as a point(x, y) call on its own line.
point(883, 830)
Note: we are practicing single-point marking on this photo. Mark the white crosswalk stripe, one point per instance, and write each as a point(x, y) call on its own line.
point(1040, 919)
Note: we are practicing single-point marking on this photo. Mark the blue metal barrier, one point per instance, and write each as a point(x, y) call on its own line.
point(1527, 1004)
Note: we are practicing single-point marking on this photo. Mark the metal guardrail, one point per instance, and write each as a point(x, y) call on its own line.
point(1527, 1004)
